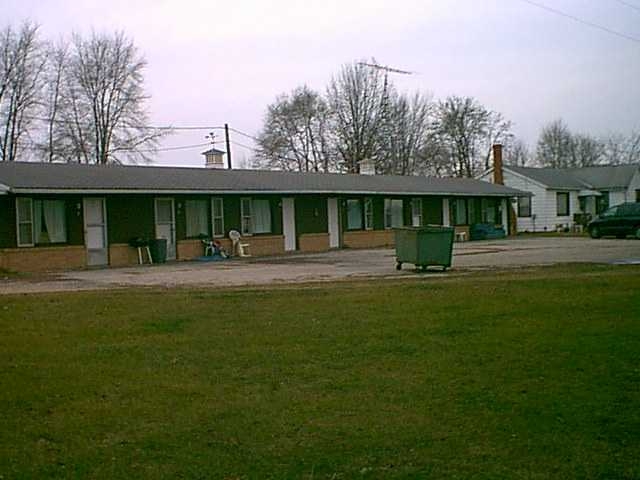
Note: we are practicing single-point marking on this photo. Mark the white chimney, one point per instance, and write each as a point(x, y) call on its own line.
point(367, 167)
point(213, 158)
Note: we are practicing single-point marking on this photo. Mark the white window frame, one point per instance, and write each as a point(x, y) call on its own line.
point(520, 207)
point(568, 204)
point(416, 204)
point(250, 216)
point(20, 221)
point(368, 213)
point(215, 217)
point(388, 212)
point(245, 202)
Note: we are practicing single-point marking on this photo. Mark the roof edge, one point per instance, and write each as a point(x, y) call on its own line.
point(109, 191)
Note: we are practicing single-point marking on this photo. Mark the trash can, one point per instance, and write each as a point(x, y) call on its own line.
point(424, 246)
point(158, 249)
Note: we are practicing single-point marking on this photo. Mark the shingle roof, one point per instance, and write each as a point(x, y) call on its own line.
point(61, 178)
point(214, 151)
point(599, 177)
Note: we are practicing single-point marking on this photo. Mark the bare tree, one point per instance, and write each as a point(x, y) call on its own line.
point(21, 65)
point(408, 129)
point(555, 145)
point(466, 130)
point(358, 100)
point(558, 147)
point(104, 107)
point(55, 145)
point(295, 136)
point(586, 151)
point(516, 153)
point(621, 149)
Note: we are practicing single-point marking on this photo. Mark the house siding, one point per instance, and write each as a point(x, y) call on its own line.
point(616, 197)
point(634, 185)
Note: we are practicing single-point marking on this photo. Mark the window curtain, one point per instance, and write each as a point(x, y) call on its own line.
point(261, 216)
point(54, 217)
point(37, 222)
point(49, 221)
point(354, 215)
point(396, 214)
point(416, 212)
point(461, 211)
point(196, 213)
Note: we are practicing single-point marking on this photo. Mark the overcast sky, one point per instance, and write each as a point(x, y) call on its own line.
point(212, 62)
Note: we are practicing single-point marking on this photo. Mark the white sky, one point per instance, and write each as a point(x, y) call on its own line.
point(212, 62)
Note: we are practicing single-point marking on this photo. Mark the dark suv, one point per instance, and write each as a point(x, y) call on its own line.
point(620, 221)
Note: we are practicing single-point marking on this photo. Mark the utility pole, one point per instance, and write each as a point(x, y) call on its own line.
point(226, 136)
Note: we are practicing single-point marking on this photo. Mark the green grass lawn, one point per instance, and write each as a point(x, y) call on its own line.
point(532, 374)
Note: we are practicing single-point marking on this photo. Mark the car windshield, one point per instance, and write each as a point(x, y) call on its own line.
point(610, 213)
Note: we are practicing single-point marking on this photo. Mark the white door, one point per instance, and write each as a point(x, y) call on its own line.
point(334, 222)
point(95, 231)
point(289, 224)
point(166, 225)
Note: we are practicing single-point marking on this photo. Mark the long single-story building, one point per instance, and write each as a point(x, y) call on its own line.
point(64, 216)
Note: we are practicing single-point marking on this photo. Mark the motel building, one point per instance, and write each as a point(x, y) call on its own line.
point(57, 216)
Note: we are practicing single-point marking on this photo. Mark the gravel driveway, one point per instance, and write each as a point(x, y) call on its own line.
point(335, 265)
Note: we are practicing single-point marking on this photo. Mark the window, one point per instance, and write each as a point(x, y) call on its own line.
point(354, 215)
point(490, 210)
point(524, 206)
point(217, 217)
point(393, 213)
point(49, 221)
point(368, 214)
point(245, 216)
point(40, 222)
point(602, 202)
point(196, 215)
point(24, 220)
point(458, 211)
point(562, 204)
point(255, 216)
point(261, 216)
point(416, 212)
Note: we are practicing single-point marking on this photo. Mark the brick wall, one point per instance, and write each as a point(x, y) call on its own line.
point(121, 254)
point(41, 259)
point(368, 239)
point(263, 245)
point(189, 249)
point(313, 242)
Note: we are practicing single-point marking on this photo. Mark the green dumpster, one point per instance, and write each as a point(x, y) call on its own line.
point(158, 248)
point(424, 246)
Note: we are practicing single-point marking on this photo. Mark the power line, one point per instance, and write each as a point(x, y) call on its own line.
point(143, 127)
point(584, 22)
point(34, 146)
point(630, 5)
point(261, 152)
point(239, 132)
point(170, 149)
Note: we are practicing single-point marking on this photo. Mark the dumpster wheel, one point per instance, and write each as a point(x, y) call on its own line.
point(399, 266)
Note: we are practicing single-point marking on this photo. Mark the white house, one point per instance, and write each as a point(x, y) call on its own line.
point(561, 193)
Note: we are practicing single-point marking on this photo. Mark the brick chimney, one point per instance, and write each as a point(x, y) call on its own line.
point(497, 164)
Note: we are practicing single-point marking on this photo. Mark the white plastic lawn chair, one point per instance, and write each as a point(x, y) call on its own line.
point(238, 247)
